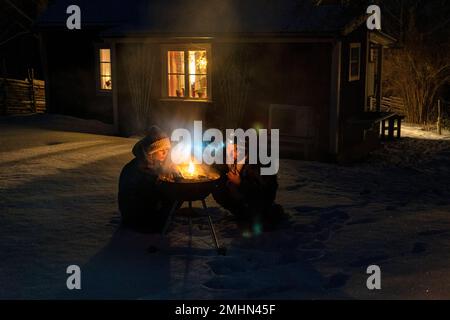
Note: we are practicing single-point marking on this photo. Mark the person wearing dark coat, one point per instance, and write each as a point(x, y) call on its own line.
point(141, 204)
point(248, 195)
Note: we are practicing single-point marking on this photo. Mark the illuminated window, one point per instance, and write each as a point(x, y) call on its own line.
point(354, 62)
point(176, 75)
point(187, 74)
point(105, 69)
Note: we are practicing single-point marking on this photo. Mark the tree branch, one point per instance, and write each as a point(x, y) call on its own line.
point(13, 37)
point(23, 14)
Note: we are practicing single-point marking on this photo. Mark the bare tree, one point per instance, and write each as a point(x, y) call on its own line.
point(420, 66)
point(18, 17)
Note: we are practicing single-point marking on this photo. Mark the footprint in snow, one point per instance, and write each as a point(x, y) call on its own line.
point(228, 283)
point(295, 187)
point(229, 265)
point(313, 245)
point(338, 216)
point(312, 255)
point(362, 221)
point(433, 232)
point(307, 209)
point(337, 280)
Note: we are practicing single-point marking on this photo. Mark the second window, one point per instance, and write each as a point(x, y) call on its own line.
point(187, 74)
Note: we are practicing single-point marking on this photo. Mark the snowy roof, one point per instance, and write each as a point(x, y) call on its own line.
point(201, 17)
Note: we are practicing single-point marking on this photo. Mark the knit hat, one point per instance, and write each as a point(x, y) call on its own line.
point(155, 140)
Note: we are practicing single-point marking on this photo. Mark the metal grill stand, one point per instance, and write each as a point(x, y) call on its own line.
point(220, 249)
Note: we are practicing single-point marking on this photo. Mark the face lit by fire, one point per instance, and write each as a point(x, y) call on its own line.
point(159, 155)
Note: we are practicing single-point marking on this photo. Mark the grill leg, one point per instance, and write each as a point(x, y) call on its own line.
point(170, 217)
point(220, 250)
point(190, 223)
point(191, 213)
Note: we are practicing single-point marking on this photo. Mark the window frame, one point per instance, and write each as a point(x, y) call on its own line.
point(351, 77)
point(98, 76)
point(165, 70)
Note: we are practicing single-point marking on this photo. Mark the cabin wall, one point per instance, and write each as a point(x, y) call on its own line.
point(71, 75)
point(352, 92)
point(295, 74)
point(279, 73)
point(167, 114)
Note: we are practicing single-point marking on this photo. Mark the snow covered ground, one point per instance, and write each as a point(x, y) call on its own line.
point(58, 208)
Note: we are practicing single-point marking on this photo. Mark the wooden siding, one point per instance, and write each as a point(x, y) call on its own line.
point(22, 96)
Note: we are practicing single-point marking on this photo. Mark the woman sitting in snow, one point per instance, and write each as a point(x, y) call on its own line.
point(247, 194)
point(141, 203)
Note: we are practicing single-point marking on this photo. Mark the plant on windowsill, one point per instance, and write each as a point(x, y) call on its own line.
point(200, 94)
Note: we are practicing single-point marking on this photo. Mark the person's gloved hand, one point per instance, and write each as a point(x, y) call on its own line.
point(234, 178)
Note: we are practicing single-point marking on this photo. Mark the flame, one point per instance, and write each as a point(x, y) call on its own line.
point(191, 169)
point(188, 171)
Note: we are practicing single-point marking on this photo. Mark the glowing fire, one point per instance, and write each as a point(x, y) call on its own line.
point(188, 171)
point(191, 169)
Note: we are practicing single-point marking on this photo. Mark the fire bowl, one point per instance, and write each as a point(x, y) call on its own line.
point(192, 189)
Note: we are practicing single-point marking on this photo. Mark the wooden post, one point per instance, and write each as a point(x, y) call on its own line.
point(379, 93)
point(32, 97)
point(439, 119)
point(4, 106)
point(391, 124)
point(44, 61)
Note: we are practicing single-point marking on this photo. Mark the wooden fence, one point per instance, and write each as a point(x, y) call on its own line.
point(393, 104)
point(21, 96)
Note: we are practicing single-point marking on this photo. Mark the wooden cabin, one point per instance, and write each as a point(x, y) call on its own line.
point(312, 71)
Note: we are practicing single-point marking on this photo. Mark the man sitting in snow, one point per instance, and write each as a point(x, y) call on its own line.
point(141, 203)
point(247, 194)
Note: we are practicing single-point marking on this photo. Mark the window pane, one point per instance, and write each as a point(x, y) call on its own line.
point(176, 86)
point(197, 62)
point(106, 83)
point(105, 69)
point(354, 54)
point(198, 86)
point(354, 69)
point(175, 62)
point(105, 55)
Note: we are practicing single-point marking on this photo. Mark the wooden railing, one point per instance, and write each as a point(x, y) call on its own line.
point(393, 104)
point(21, 96)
